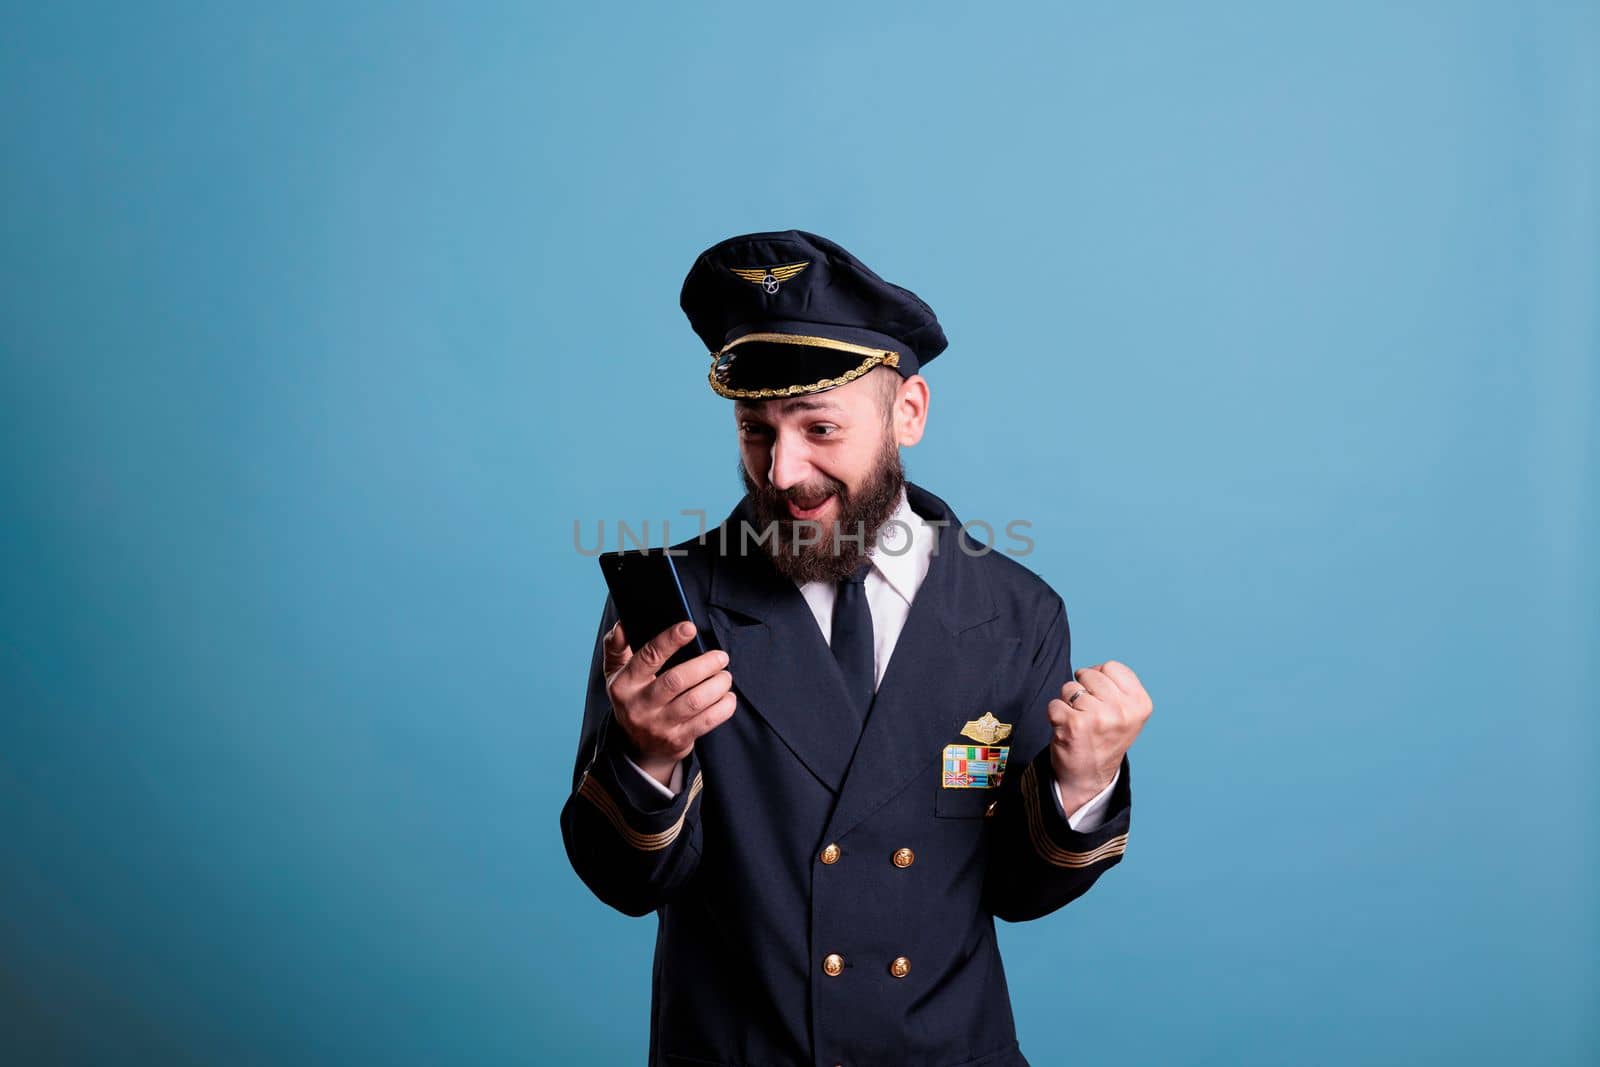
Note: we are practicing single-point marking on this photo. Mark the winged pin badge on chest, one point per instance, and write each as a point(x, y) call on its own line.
point(987, 730)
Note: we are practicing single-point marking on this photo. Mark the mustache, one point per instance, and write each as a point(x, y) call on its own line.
point(830, 487)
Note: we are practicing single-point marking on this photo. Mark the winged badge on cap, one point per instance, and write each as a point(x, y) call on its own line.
point(769, 278)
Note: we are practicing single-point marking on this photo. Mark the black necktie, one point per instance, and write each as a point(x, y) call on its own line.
point(852, 638)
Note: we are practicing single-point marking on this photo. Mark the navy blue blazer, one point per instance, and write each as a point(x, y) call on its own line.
point(822, 897)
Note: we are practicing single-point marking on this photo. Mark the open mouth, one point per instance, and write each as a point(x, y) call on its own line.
point(799, 510)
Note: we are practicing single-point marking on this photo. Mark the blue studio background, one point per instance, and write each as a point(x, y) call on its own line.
point(323, 324)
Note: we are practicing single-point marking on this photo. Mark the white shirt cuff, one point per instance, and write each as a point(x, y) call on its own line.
point(671, 789)
point(1086, 819)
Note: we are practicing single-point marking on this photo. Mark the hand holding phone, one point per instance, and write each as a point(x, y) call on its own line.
point(666, 690)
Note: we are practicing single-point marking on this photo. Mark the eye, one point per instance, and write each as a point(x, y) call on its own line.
point(823, 429)
point(752, 430)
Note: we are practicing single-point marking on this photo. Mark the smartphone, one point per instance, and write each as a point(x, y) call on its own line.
point(649, 599)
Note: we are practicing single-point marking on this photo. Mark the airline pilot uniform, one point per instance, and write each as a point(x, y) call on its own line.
point(825, 876)
point(822, 897)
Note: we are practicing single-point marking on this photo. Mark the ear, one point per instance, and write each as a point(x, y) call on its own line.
point(910, 410)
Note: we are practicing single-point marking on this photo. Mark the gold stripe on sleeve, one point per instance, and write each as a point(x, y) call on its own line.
point(1047, 849)
point(597, 795)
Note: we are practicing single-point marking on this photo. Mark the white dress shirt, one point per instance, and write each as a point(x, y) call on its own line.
point(900, 562)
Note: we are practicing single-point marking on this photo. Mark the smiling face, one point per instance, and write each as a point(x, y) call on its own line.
point(823, 470)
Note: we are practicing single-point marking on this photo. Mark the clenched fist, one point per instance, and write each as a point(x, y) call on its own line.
point(662, 715)
point(1095, 719)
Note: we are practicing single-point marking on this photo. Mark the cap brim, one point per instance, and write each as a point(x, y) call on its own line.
point(760, 366)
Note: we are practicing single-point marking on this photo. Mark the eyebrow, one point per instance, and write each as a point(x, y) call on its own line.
point(798, 403)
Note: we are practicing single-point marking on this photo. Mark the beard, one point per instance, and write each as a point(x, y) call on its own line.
point(809, 550)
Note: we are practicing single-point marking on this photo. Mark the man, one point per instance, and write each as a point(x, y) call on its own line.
point(886, 746)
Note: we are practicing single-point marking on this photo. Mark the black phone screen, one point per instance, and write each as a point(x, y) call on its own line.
point(649, 599)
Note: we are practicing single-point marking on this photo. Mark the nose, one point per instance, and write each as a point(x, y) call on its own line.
point(789, 465)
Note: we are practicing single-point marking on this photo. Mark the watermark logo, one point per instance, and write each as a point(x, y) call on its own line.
point(895, 537)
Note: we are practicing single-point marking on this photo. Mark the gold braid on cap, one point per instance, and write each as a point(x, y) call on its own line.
point(871, 357)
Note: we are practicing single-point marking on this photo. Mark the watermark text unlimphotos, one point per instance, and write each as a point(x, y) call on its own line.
point(741, 537)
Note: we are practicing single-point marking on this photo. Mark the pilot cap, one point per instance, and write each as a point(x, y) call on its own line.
point(790, 313)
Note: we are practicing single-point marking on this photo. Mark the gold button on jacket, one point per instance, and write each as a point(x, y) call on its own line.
point(900, 967)
point(904, 857)
point(833, 964)
point(830, 854)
